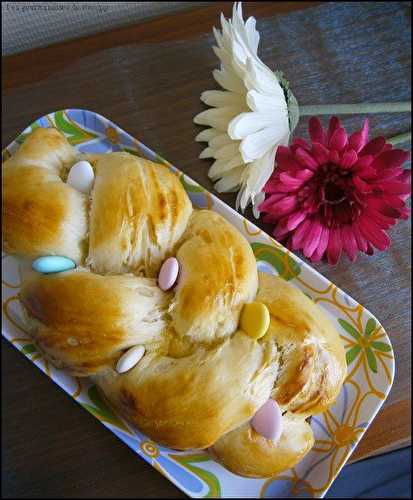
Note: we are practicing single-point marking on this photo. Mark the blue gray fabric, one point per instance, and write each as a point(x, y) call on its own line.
point(385, 476)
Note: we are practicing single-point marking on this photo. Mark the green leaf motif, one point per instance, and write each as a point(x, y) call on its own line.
point(101, 410)
point(29, 349)
point(381, 346)
point(370, 327)
point(76, 134)
point(191, 188)
point(349, 329)
point(371, 360)
point(352, 354)
point(160, 159)
point(130, 151)
point(210, 479)
point(286, 267)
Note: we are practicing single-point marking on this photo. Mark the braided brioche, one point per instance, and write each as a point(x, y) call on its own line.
point(202, 378)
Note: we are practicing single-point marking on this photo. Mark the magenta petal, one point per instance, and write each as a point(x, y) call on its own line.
point(290, 181)
point(373, 233)
point(382, 220)
point(285, 162)
point(295, 219)
point(395, 187)
point(365, 131)
point(283, 151)
point(299, 142)
point(300, 234)
point(338, 140)
point(349, 158)
point(313, 239)
point(390, 173)
point(349, 242)
point(393, 201)
point(305, 159)
point(355, 141)
point(270, 201)
point(362, 186)
point(374, 147)
point(316, 131)
point(322, 245)
point(335, 246)
point(281, 230)
point(334, 156)
point(320, 153)
point(363, 162)
point(390, 159)
point(359, 139)
point(304, 174)
point(381, 206)
point(406, 176)
point(360, 239)
point(284, 206)
point(332, 126)
point(271, 185)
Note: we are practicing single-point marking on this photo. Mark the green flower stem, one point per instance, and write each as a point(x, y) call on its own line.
point(400, 138)
point(351, 109)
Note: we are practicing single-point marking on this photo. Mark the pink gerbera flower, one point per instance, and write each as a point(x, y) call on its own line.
point(337, 193)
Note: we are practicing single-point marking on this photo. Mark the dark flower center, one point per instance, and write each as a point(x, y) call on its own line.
point(330, 193)
point(333, 193)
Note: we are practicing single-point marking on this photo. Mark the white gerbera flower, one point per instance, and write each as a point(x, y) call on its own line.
point(249, 119)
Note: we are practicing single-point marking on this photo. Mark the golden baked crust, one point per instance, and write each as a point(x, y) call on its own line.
point(83, 320)
point(218, 275)
point(201, 379)
point(312, 357)
point(245, 452)
point(190, 401)
point(139, 211)
point(42, 215)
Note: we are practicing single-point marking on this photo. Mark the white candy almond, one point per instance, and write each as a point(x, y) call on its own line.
point(130, 359)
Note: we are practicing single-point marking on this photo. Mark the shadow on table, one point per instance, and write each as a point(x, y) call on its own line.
point(385, 476)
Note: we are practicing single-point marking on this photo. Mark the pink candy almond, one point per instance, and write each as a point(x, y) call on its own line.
point(268, 421)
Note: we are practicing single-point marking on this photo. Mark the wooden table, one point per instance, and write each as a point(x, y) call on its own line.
point(147, 78)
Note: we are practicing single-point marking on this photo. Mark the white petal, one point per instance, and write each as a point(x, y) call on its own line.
point(227, 152)
point(230, 181)
point(256, 202)
point(218, 36)
point(221, 166)
point(207, 135)
point(229, 81)
point(217, 118)
point(261, 78)
point(260, 171)
point(248, 123)
point(252, 34)
point(264, 103)
point(220, 140)
point(256, 145)
point(207, 153)
point(224, 56)
point(220, 98)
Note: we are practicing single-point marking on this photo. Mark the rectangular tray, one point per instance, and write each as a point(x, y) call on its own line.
point(337, 431)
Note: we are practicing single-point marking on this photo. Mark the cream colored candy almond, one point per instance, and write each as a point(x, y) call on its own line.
point(130, 358)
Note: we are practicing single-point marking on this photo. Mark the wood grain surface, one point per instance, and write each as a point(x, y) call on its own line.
point(148, 78)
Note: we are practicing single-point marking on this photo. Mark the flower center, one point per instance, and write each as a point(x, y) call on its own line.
point(344, 435)
point(330, 193)
point(333, 193)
